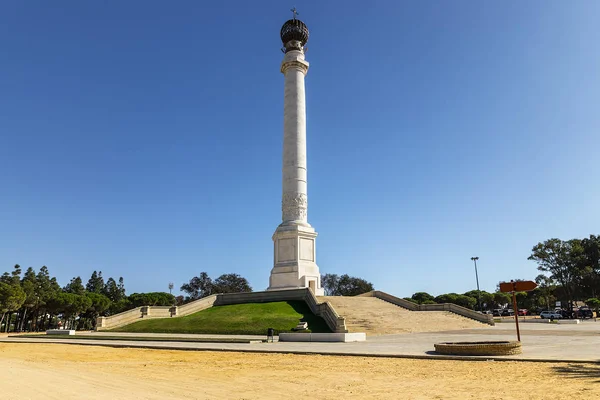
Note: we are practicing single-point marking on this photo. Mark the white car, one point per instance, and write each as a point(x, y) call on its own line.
point(550, 315)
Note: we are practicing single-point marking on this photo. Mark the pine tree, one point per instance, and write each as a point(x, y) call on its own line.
point(111, 290)
point(75, 286)
point(29, 286)
point(121, 288)
point(96, 283)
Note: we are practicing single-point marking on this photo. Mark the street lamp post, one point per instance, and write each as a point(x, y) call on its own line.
point(477, 279)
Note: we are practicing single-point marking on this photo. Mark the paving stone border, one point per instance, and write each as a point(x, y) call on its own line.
point(499, 348)
point(323, 337)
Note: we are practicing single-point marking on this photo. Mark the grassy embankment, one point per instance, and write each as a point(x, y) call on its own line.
point(236, 319)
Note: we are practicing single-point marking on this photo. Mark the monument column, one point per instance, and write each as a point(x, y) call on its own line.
point(294, 240)
point(294, 201)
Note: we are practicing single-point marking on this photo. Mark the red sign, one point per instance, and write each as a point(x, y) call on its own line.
point(520, 286)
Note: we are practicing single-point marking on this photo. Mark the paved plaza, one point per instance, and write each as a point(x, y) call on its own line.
point(541, 342)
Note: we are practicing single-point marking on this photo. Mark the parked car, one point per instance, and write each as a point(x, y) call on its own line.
point(535, 311)
point(508, 312)
point(584, 312)
point(550, 315)
point(497, 312)
point(566, 314)
point(523, 312)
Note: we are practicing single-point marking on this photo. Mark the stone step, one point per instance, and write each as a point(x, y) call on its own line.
point(378, 317)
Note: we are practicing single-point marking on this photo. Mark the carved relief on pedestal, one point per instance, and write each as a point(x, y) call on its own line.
point(294, 206)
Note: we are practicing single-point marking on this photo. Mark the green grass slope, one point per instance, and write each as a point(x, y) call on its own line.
point(236, 319)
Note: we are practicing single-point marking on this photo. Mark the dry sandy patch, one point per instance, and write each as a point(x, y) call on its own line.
point(59, 371)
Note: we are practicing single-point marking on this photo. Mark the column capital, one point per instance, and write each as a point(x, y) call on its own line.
point(295, 63)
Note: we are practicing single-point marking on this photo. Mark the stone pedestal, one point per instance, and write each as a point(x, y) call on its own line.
point(294, 259)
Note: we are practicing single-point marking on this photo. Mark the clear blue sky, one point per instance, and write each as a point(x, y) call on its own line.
point(143, 138)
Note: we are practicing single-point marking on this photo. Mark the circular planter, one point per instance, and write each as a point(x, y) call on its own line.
point(504, 348)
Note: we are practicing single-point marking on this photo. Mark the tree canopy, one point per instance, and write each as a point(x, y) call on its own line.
point(344, 285)
point(151, 299)
point(231, 283)
point(37, 302)
point(423, 298)
point(203, 286)
point(95, 283)
point(198, 287)
point(12, 298)
point(572, 267)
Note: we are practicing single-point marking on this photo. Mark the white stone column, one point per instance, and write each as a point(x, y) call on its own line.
point(294, 241)
point(294, 201)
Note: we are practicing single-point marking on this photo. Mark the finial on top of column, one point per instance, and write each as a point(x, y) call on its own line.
point(294, 33)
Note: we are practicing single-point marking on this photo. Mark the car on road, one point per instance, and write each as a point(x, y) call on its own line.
point(550, 315)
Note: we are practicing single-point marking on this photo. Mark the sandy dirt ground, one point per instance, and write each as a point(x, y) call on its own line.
point(58, 371)
point(377, 317)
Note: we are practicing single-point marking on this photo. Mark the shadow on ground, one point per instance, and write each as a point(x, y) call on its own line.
point(315, 324)
point(580, 371)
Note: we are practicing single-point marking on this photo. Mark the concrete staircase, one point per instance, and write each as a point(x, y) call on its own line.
point(378, 317)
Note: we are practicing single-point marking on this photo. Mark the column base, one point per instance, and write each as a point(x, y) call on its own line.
point(295, 256)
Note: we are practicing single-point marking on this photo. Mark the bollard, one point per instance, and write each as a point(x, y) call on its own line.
point(270, 334)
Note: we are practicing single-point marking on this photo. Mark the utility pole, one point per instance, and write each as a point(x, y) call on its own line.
point(477, 279)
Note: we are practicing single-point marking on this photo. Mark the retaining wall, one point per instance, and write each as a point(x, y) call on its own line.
point(456, 309)
point(118, 320)
point(326, 311)
point(194, 306)
point(260, 297)
point(156, 311)
point(392, 299)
